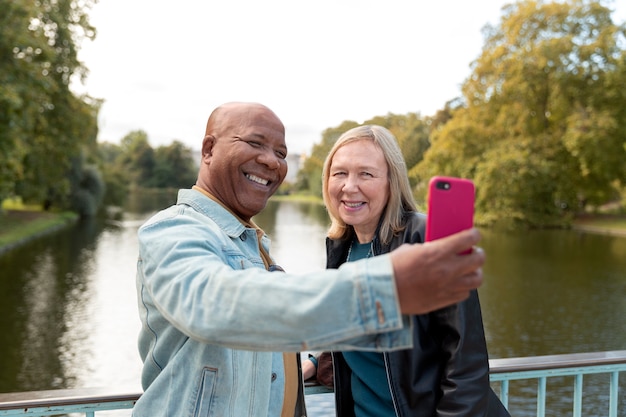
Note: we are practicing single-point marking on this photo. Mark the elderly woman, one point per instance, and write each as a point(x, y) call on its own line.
point(367, 193)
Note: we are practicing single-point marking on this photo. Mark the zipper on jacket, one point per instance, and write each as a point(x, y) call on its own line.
point(393, 394)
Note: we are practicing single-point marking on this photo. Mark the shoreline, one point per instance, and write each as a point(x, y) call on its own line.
point(18, 227)
point(599, 230)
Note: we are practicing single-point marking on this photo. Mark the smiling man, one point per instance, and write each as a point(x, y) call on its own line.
point(243, 157)
point(215, 319)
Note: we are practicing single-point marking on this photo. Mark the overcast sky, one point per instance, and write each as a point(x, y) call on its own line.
point(163, 66)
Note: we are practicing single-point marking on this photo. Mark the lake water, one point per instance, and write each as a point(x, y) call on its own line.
point(69, 319)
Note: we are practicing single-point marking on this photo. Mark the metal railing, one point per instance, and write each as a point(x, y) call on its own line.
point(90, 401)
point(578, 365)
point(65, 401)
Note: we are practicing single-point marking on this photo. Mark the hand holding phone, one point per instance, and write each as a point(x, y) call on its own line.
point(450, 207)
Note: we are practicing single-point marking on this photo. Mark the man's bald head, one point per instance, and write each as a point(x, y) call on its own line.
point(236, 114)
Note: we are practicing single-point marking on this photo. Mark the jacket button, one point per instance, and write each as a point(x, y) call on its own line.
point(273, 376)
point(243, 237)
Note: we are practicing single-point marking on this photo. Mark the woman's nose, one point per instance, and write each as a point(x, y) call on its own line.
point(350, 184)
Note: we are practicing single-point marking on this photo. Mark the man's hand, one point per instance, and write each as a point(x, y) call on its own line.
point(433, 275)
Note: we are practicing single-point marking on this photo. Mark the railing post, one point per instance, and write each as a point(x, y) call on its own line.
point(504, 392)
point(541, 397)
point(613, 398)
point(578, 395)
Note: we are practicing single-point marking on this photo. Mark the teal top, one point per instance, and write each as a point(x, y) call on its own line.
point(370, 389)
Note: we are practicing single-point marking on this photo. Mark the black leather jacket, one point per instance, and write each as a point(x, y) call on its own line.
point(446, 373)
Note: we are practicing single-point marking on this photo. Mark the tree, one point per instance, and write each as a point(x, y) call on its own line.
point(310, 175)
point(113, 174)
point(542, 130)
point(87, 188)
point(412, 132)
point(174, 166)
point(137, 158)
point(43, 125)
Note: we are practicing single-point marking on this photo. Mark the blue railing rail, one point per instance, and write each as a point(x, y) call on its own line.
point(89, 401)
point(577, 365)
point(86, 401)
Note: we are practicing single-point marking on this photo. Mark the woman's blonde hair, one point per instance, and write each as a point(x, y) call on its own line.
point(400, 196)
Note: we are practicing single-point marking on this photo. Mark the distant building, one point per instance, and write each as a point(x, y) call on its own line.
point(294, 162)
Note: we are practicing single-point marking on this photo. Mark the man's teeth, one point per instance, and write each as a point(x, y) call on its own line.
point(257, 179)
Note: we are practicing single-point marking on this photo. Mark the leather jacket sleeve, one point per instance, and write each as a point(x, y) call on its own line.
point(449, 361)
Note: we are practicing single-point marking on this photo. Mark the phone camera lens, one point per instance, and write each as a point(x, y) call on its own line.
point(443, 185)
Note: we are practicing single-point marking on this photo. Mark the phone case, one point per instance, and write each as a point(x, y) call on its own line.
point(450, 206)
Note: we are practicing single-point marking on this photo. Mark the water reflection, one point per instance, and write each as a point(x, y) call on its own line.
point(44, 286)
point(550, 292)
point(298, 232)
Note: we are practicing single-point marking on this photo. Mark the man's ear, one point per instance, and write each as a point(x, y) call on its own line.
point(207, 146)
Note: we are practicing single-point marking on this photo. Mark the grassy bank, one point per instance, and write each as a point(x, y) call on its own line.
point(306, 198)
point(610, 224)
point(19, 226)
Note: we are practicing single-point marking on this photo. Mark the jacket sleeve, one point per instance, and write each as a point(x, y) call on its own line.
point(202, 283)
point(465, 379)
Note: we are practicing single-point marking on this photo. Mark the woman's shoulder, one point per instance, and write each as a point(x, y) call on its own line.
point(414, 219)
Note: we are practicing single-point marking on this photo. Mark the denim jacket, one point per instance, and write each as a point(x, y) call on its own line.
point(214, 320)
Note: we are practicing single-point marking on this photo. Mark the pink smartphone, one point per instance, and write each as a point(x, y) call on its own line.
point(450, 206)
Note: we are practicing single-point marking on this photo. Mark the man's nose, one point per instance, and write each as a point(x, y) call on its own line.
point(270, 159)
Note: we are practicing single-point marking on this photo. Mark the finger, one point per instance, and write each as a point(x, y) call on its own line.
point(473, 280)
point(461, 241)
point(470, 261)
point(463, 287)
point(465, 240)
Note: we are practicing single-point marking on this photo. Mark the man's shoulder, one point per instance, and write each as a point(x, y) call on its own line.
point(195, 203)
point(190, 207)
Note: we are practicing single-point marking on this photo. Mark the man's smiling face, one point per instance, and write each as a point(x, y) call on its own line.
point(244, 162)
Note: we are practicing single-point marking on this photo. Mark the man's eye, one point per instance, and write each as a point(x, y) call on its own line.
point(255, 144)
point(281, 154)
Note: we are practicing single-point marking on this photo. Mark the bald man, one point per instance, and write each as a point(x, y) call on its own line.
point(217, 317)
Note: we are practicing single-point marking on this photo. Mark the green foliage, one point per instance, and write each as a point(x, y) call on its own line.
point(504, 197)
point(44, 126)
point(310, 175)
point(135, 163)
point(411, 130)
point(543, 128)
point(87, 188)
point(115, 179)
point(174, 167)
point(137, 157)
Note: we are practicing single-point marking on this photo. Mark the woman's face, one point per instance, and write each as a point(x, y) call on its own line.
point(358, 186)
